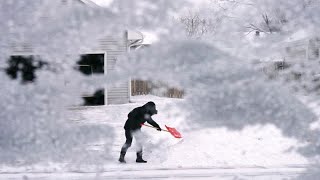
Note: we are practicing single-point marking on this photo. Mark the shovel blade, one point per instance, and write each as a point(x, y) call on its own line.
point(174, 132)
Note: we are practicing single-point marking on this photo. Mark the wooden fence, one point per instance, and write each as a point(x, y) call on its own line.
point(139, 87)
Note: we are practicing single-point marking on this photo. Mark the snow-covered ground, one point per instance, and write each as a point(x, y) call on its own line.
point(256, 152)
point(235, 124)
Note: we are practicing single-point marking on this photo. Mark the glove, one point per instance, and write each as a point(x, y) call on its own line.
point(159, 129)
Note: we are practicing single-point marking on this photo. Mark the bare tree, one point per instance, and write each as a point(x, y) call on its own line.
point(274, 19)
point(194, 24)
point(267, 24)
point(197, 24)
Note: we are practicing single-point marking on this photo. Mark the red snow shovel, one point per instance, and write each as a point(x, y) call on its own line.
point(171, 130)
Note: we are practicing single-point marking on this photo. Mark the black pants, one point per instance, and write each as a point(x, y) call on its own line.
point(129, 136)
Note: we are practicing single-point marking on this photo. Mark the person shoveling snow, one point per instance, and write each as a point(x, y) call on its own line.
point(136, 118)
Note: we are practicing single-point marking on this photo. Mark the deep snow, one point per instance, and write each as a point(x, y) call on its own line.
point(255, 151)
point(253, 146)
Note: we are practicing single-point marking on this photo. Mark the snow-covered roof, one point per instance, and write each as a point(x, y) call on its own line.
point(88, 2)
point(146, 36)
point(299, 35)
point(134, 35)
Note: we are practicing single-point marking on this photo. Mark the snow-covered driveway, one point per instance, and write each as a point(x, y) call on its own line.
point(255, 153)
point(218, 173)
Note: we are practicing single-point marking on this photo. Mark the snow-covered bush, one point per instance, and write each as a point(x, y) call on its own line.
point(221, 90)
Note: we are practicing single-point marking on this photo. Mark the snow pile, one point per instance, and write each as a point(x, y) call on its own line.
point(34, 127)
point(220, 147)
point(253, 146)
point(221, 90)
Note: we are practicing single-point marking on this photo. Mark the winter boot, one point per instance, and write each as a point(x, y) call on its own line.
point(121, 159)
point(139, 158)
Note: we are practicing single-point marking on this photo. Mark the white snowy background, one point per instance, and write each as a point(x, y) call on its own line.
point(232, 114)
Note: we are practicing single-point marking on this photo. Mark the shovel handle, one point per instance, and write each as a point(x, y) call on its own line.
point(154, 127)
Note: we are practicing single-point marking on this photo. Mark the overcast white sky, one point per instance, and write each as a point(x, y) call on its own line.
point(149, 37)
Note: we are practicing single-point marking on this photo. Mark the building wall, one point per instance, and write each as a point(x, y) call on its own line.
point(21, 48)
point(113, 46)
point(296, 50)
point(301, 50)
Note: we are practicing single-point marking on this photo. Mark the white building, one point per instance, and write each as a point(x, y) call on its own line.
point(105, 53)
point(302, 46)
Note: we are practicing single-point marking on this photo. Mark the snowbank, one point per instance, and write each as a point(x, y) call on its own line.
point(253, 146)
point(221, 90)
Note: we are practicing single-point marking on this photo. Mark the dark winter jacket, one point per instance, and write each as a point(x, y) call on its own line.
point(141, 115)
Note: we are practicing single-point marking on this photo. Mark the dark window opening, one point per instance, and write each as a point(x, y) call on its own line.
point(24, 66)
point(96, 99)
point(91, 64)
point(315, 53)
point(281, 65)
